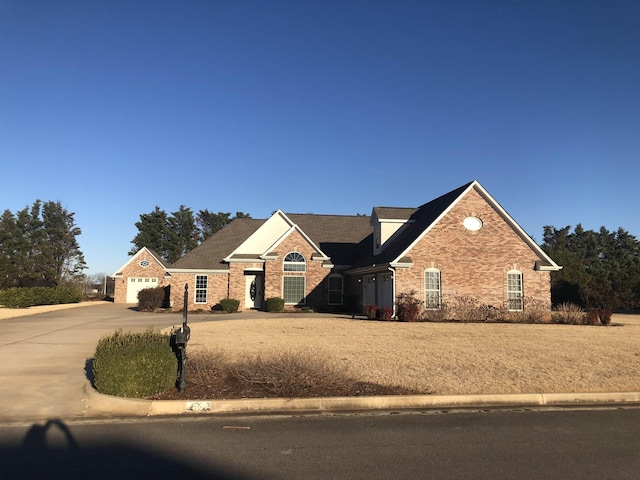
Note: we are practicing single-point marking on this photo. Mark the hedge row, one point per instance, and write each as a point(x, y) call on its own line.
point(30, 297)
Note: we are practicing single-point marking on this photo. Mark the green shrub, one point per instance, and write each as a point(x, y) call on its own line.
point(134, 364)
point(274, 304)
point(150, 299)
point(30, 297)
point(230, 305)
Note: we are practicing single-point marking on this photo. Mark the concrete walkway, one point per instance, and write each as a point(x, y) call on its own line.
point(44, 360)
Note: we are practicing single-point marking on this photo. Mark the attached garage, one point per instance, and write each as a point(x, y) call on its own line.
point(135, 284)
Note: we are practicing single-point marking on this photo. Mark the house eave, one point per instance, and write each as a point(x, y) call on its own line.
point(370, 269)
point(547, 268)
point(198, 270)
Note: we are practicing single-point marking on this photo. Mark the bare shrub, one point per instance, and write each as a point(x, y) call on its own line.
point(207, 367)
point(470, 309)
point(288, 374)
point(569, 314)
point(534, 311)
point(441, 314)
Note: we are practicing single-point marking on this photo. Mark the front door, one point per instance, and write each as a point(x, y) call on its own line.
point(385, 290)
point(254, 290)
point(368, 290)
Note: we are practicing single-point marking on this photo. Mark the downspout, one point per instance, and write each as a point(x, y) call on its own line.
point(393, 290)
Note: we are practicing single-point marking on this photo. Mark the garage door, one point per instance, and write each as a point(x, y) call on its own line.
point(136, 284)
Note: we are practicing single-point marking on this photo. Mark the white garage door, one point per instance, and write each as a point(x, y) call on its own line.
point(136, 284)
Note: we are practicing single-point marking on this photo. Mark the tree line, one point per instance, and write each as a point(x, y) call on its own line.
point(601, 269)
point(39, 246)
point(175, 234)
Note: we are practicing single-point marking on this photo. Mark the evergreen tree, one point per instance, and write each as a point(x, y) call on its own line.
point(63, 256)
point(10, 236)
point(209, 222)
point(600, 269)
point(153, 233)
point(38, 246)
point(183, 234)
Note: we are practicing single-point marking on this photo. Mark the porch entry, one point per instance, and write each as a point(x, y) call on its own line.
point(377, 290)
point(254, 289)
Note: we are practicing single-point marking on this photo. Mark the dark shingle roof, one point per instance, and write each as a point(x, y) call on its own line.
point(338, 236)
point(418, 222)
point(346, 239)
point(210, 254)
point(394, 213)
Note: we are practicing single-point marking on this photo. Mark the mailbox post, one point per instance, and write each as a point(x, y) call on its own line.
point(181, 337)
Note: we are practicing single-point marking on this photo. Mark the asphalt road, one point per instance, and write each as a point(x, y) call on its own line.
point(559, 444)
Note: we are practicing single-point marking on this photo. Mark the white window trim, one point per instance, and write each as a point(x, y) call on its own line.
point(304, 289)
point(198, 289)
point(439, 290)
point(515, 294)
point(302, 263)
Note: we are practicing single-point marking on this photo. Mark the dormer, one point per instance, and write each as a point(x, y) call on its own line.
point(388, 222)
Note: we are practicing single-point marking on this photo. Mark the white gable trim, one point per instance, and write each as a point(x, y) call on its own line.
point(269, 229)
point(553, 266)
point(285, 233)
point(321, 255)
point(138, 253)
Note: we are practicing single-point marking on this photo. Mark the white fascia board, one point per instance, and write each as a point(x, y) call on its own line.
point(434, 223)
point(304, 235)
point(245, 260)
point(501, 211)
point(524, 235)
point(138, 253)
point(260, 231)
point(197, 270)
point(400, 265)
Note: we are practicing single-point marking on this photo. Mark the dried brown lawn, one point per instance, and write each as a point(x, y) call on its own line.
point(445, 358)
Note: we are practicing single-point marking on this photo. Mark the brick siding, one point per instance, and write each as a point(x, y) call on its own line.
point(134, 269)
point(474, 263)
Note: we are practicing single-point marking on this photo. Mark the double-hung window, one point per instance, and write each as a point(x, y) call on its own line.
point(432, 293)
point(514, 290)
point(201, 289)
point(294, 284)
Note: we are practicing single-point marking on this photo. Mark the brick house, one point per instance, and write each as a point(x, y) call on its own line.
point(460, 244)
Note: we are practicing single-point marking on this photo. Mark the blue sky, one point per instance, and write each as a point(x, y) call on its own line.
point(114, 107)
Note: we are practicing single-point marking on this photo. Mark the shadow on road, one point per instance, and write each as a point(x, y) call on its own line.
point(50, 450)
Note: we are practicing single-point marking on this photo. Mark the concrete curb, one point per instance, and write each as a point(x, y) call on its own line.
point(100, 404)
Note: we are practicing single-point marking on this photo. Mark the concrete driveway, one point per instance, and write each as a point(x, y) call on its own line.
point(43, 356)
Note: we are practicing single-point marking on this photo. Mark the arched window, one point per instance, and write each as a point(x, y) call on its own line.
point(432, 293)
point(294, 262)
point(514, 290)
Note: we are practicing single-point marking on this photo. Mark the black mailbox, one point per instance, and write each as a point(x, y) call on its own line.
point(182, 336)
